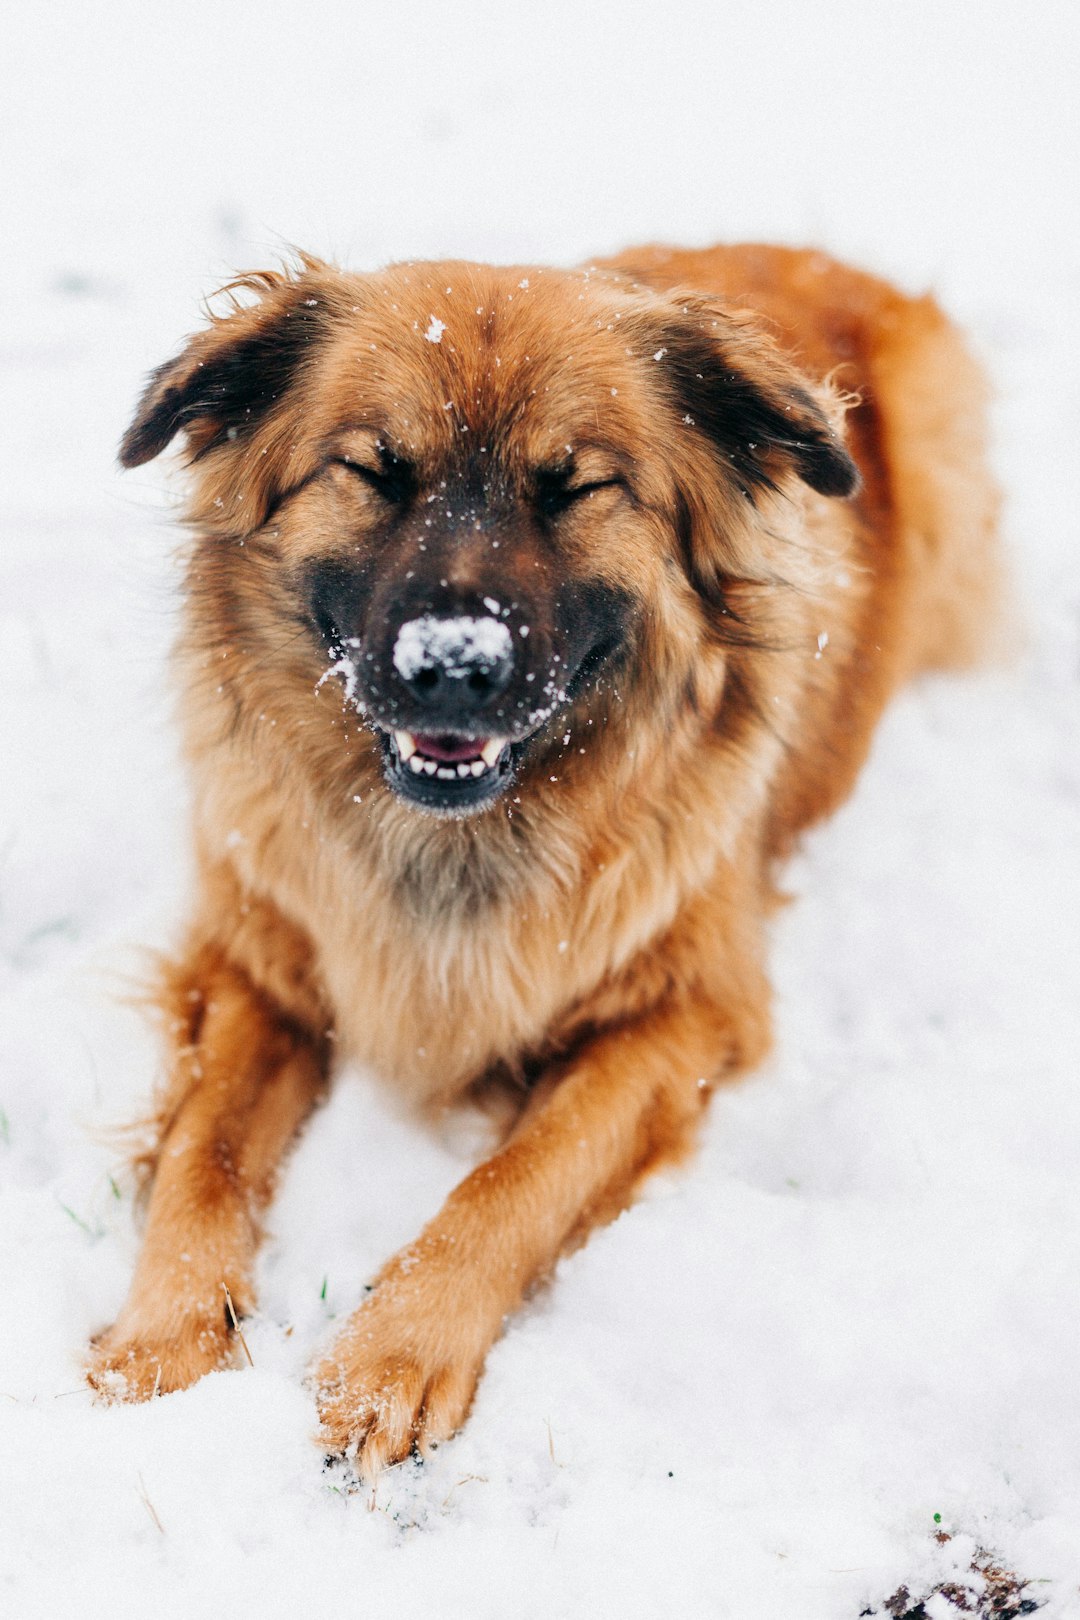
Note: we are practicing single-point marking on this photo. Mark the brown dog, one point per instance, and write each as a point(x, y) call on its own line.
point(531, 616)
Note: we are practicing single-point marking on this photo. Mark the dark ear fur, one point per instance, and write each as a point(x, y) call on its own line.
point(228, 376)
point(734, 385)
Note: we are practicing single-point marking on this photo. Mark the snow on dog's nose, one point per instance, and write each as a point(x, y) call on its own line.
point(454, 667)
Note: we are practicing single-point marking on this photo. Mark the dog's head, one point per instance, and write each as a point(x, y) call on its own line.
point(483, 497)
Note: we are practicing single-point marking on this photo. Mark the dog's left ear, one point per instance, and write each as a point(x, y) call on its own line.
point(228, 376)
point(728, 379)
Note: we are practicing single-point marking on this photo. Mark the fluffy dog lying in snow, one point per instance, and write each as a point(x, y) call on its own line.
point(531, 616)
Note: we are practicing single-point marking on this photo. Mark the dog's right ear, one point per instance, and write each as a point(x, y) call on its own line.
point(227, 377)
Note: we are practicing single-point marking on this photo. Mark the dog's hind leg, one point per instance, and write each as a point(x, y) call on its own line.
point(247, 1068)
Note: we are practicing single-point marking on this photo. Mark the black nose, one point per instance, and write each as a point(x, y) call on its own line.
point(455, 666)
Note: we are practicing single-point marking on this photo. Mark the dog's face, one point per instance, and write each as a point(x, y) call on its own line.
point(479, 495)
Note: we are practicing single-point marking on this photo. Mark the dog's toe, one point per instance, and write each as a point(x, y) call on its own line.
point(379, 1414)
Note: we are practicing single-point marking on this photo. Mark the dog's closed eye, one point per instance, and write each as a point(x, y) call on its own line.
point(392, 477)
point(555, 490)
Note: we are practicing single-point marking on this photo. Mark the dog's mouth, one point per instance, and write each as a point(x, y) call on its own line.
point(446, 772)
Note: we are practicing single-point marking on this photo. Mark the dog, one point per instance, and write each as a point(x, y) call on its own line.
point(531, 615)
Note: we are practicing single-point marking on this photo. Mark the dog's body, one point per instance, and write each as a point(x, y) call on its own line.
point(603, 516)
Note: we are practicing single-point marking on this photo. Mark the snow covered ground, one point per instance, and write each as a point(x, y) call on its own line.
point(855, 1312)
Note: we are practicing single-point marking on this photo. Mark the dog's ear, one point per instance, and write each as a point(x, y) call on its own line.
point(227, 377)
point(727, 378)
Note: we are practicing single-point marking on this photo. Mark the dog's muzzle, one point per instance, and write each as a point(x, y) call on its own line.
point(454, 669)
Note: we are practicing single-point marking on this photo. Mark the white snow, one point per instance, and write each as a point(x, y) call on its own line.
point(435, 330)
point(750, 1395)
point(457, 646)
point(345, 667)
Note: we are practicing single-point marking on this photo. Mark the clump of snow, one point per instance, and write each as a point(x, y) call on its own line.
point(345, 667)
point(435, 330)
point(457, 646)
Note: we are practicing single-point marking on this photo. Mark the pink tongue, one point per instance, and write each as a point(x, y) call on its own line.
point(451, 750)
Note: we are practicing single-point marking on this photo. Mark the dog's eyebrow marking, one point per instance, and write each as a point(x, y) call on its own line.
point(370, 432)
point(287, 494)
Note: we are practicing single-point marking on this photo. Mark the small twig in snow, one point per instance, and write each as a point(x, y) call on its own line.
point(466, 1479)
point(551, 1444)
point(237, 1329)
point(148, 1505)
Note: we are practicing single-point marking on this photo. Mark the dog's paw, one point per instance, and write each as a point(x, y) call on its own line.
point(379, 1413)
point(400, 1378)
point(125, 1364)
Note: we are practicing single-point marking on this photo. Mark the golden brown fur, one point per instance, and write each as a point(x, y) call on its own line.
point(596, 941)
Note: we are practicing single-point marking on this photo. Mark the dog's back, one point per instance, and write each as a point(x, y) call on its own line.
point(917, 429)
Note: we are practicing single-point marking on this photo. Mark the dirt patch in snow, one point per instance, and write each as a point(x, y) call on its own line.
point(987, 1591)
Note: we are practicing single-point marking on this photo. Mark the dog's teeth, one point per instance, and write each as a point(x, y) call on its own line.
point(406, 744)
point(478, 767)
point(464, 769)
point(445, 774)
point(492, 749)
point(416, 764)
point(430, 767)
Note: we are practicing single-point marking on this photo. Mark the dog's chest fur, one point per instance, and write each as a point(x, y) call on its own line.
point(460, 947)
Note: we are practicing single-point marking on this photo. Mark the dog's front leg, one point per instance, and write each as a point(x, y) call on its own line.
point(245, 1073)
point(403, 1372)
